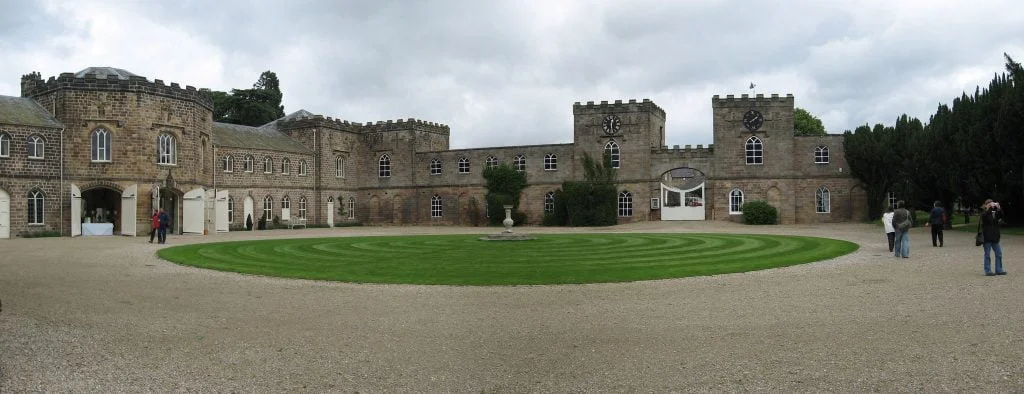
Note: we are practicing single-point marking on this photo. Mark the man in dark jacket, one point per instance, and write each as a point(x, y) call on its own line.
point(990, 230)
point(937, 219)
point(165, 220)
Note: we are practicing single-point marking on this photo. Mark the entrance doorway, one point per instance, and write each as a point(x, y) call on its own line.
point(102, 205)
point(169, 202)
point(5, 215)
point(682, 194)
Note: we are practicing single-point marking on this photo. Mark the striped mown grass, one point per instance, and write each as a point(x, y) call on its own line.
point(549, 259)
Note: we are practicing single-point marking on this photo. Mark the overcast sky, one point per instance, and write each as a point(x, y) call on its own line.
point(507, 72)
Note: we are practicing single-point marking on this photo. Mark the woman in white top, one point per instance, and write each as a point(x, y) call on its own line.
point(890, 232)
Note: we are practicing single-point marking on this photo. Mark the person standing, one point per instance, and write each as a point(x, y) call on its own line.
point(890, 231)
point(991, 213)
point(901, 221)
point(165, 220)
point(154, 224)
point(937, 220)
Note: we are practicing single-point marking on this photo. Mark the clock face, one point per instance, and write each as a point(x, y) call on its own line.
point(753, 120)
point(611, 124)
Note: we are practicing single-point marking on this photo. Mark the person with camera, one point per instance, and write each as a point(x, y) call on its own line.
point(990, 215)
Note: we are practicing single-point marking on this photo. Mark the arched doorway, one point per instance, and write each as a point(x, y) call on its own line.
point(170, 201)
point(101, 205)
point(247, 209)
point(682, 194)
point(5, 215)
point(330, 211)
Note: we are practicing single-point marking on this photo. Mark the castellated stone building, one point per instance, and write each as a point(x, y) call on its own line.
point(97, 151)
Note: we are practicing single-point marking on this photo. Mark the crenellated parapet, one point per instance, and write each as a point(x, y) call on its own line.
point(33, 85)
point(407, 124)
point(359, 127)
point(617, 106)
point(749, 101)
point(687, 152)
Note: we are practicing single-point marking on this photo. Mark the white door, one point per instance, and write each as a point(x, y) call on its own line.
point(76, 211)
point(129, 206)
point(192, 211)
point(5, 215)
point(330, 213)
point(221, 211)
point(247, 212)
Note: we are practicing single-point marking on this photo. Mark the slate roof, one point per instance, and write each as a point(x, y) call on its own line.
point(25, 112)
point(266, 137)
point(102, 72)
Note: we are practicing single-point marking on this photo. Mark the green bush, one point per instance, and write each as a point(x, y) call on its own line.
point(759, 212)
point(589, 204)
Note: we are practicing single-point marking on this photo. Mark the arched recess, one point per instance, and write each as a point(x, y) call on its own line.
point(374, 209)
point(247, 209)
point(858, 200)
point(398, 205)
point(775, 200)
point(682, 194)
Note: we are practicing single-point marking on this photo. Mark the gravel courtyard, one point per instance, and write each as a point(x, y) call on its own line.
point(103, 314)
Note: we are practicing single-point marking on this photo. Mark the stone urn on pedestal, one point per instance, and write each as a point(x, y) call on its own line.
point(508, 222)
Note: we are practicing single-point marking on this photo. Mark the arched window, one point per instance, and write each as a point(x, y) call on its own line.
point(100, 145)
point(36, 202)
point(167, 150)
point(463, 165)
point(821, 155)
point(268, 165)
point(754, 151)
point(268, 208)
point(822, 203)
point(549, 202)
point(519, 162)
point(491, 162)
point(384, 166)
point(302, 207)
point(286, 203)
point(339, 167)
point(435, 206)
point(5, 145)
point(351, 208)
point(249, 163)
point(286, 166)
point(228, 164)
point(611, 151)
point(302, 168)
point(625, 204)
point(735, 202)
point(231, 210)
point(435, 167)
point(550, 162)
point(35, 147)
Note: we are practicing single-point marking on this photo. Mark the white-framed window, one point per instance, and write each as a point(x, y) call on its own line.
point(384, 166)
point(550, 162)
point(463, 165)
point(754, 151)
point(268, 208)
point(491, 162)
point(611, 150)
point(250, 162)
point(435, 206)
point(625, 204)
point(351, 208)
point(268, 165)
point(339, 167)
point(5, 145)
point(821, 155)
point(302, 168)
point(549, 202)
point(167, 149)
point(435, 167)
point(822, 201)
point(36, 147)
point(228, 164)
point(890, 198)
point(302, 207)
point(100, 139)
point(36, 203)
point(286, 166)
point(286, 203)
point(735, 202)
point(231, 210)
point(519, 162)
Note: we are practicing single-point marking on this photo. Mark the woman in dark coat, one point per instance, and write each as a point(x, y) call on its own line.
point(991, 213)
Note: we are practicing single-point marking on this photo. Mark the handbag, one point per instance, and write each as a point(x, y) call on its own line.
point(979, 239)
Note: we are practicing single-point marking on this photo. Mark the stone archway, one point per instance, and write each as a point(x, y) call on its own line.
point(101, 203)
point(682, 195)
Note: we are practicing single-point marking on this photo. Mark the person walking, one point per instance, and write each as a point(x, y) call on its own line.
point(991, 213)
point(890, 231)
point(154, 224)
point(937, 220)
point(901, 221)
point(165, 220)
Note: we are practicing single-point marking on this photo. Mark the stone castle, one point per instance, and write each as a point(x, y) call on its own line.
point(104, 145)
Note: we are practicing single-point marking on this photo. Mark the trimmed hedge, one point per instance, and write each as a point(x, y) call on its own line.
point(759, 212)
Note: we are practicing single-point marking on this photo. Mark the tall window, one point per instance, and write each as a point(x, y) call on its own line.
point(611, 150)
point(286, 203)
point(435, 206)
point(302, 207)
point(228, 164)
point(550, 162)
point(268, 208)
point(302, 167)
point(286, 166)
point(754, 151)
point(549, 202)
point(35, 147)
point(100, 145)
point(249, 163)
point(167, 151)
point(435, 167)
point(5, 145)
point(890, 198)
point(351, 208)
point(339, 167)
point(491, 162)
point(231, 210)
point(268, 165)
point(735, 202)
point(625, 204)
point(821, 155)
point(35, 207)
point(519, 162)
point(463, 165)
point(202, 154)
point(822, 203)
point(384, 166)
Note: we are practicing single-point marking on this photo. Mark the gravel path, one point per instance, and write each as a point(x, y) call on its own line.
point(103, 314)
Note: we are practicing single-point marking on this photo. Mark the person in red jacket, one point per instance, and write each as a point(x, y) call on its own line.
point(155, 225)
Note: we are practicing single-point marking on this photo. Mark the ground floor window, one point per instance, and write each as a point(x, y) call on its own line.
point(302, 207)
point(268, 208)
point(35, 207)
point(231, 211)
point(735, 201)
point(435, 206)
point(549, 202)
point(351, 208)
point(822, 203)
point(625, 204)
